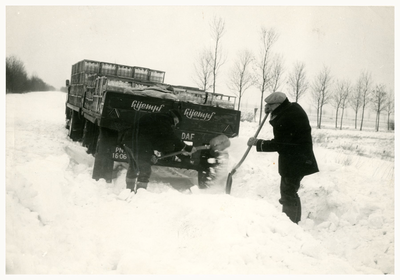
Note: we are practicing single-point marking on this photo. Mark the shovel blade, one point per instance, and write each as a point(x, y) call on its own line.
point(220, 143)
point(228, 186)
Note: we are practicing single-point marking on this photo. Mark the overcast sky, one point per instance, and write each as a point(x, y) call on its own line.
point(346, 39)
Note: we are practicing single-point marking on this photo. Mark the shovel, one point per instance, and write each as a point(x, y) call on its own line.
point(229, 179)
point(219, 143)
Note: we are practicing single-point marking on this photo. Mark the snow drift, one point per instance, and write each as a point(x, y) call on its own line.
point(60, 221)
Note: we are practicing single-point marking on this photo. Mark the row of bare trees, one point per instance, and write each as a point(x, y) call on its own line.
point(341, 94)
point(265, 72)
point(17, 80)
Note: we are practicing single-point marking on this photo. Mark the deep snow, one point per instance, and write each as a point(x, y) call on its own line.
point(60, 221)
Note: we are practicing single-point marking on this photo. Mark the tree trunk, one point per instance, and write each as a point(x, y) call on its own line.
point(377, 121)
point(320, 117)
point(362, 118)
point(215, 65)
point(240, 98)
point(261, 107)
point(355, 119)
point(341, 119)
point(336, 117)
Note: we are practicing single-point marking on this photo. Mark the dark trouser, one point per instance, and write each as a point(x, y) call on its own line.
point(139, 166)
point(290, 200)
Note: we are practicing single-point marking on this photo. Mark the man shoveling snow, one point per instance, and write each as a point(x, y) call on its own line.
point(293, 141)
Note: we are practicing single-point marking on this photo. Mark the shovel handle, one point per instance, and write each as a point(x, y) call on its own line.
point(249, 147)
point(204, 147)
point(261, 125)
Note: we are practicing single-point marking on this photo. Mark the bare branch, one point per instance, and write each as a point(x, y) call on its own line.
point(276, 73)
point(217, 31)
point(321, 93)
point(203, 69)
point(365, 83)
point(241, 78)
point(297, 81)
point(379, 97)
point(264, 64)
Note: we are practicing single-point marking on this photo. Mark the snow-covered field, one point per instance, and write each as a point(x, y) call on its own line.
point(60, 221)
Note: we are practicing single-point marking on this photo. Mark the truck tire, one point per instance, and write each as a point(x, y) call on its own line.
point(75, 127)
point(90, 136)
point(104, 163)
point(203, 178)
point(212, 168)
point(67, 117)
point(205, 174)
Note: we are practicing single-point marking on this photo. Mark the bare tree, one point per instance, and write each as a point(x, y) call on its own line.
point(316, 96)
point(345, 99)
point(379, 96)
point(241, 78)
point(203, 70)
point(276, 73)
point(356, 100)
point(297, 81)
point(321, 94)
point(339, 99)
point(263, 65)
point(389, 107)
point(217, 31)
point(365, 82)
point(336, 99)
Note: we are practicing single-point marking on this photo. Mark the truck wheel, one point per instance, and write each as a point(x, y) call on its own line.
point(203, 178)
point(90, 136)
point(212, 168)
point(104, 163)
point(205, 173)
point(75, 127)
point(67, 117)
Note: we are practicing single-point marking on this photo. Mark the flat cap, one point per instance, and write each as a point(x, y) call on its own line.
point(275, 98)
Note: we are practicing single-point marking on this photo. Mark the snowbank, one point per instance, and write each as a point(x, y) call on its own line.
point(60, 221)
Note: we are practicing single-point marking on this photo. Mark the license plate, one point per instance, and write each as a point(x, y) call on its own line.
point(119, 155)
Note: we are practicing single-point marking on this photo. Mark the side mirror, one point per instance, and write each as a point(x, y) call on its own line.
point(67, 82)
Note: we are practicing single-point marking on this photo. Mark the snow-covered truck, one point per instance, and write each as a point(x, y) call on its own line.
point(104, 99)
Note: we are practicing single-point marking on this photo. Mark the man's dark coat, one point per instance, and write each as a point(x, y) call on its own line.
point(292, 140)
